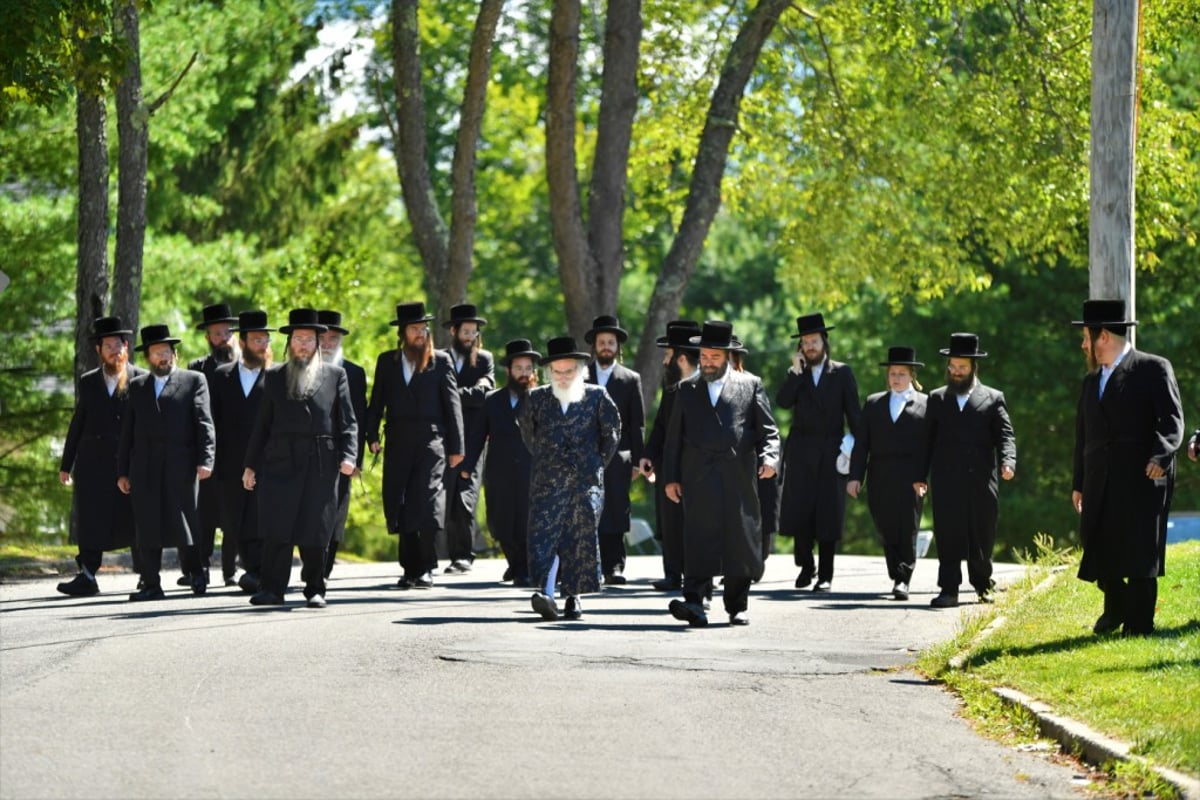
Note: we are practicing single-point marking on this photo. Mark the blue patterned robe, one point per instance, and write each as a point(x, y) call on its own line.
point(566, 492)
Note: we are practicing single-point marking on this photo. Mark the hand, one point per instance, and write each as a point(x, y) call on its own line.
point(123, 484)
point(852, 488)
point(1008, 473)
point(1077, 501)
point(374, 447)
point(1194, 449)
point(1154, 471)
point(797, 363)
point(646, 466)
point(466, 476)
point(64, 477)
point(203, 473)
point(920, 488)
point(455, 460)
point(635, 472)
point(766, 472)
point(674, 492)
point(356, 473)
point(347, 468)
point(248, 480)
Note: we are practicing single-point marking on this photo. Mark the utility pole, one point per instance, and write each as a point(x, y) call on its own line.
point(1114, 135)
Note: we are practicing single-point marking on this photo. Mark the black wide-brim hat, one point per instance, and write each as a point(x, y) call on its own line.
point(1104, 314)
point(213, 314)
point(715, 335)
point(518, 348)
point(902, 356)
point(252, 321)
point(331, 320)
point(606, 323)
point(562, 347)
point(678, 333)
point(811, 323)
point(302, 319)
point(963, 345)
point(155, 334)
point(410, 314)
point(108, 326)
point(464, 312)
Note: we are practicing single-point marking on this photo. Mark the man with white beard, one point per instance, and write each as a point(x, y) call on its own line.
point(102, 516)
point(305, 435)
point(356, 376)
point(572, 430)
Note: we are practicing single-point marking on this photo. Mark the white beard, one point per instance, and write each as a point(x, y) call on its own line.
point(574, 392)
point(336, 357)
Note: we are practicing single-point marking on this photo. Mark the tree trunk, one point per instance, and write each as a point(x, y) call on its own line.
point(1114, 134)
point(704, 194)
point(91, 261)
point(133, 135)
point(460, 258)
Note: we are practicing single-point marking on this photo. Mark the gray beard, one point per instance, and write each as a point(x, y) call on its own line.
point(336, 357)
point(573, 393)
point(302, 377)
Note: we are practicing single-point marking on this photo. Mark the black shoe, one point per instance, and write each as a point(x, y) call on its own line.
point(691, 613)
point(615, 578)
point(200, 581)
point(405, 582)
point(521, 582)
point(740, 618)
point(425, 581)
point(574, 608)
point(265, 598)
point(508, 574)
point(804, 578)
point(822, 586)
point(900, 591)
point(249, 583)
point(184, 580)
point(80, 586)
point(149, 593)
point(669, 584)
point(945, 600)
point(544, 605)
point(1107, 624)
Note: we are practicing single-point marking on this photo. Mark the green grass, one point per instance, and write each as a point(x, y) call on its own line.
point(25, 558)
point(1144, 691)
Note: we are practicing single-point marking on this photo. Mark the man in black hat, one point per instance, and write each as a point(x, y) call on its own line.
point(304, 437)
point(475, 374)
point(722, 439)
point(1128, 426)
point(681, 362)
point(507, 469)
point(236, 397)
point(167, 449)
point(415, 394)
point(971, 446)
point(624, 386)
point(102, 518)
point(217, 322)
point(572, 430)
point(889, 455)
point(823, 396)
point(356, 377)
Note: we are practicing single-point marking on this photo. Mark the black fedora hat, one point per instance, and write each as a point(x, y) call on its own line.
point(302, 319)
point(902, 356)
point(108, 326)
point(715, 335)
point(464, 312)
point(678, 333)
point(409, 314)
point(331, 320)
point(249, 321)
point(1104, 314)
point(155, 334)
point(220, 312)
point(606, 323)
point(963, 345)
point(562, 347)
point(518, 348)
point(811, 323)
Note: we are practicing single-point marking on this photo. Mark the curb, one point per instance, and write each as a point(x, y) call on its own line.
point(1095, 747)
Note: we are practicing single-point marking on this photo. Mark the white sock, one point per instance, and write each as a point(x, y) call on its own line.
point(551, 579)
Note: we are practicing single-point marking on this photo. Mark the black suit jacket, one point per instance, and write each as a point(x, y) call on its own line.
point(890, 457)
point(625, 388)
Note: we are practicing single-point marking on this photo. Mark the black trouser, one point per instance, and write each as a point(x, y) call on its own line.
point(1131, 602)
point(900, 553)
point(670, 530)
point(460, 530)
point(229, 554)
point(803, 556)
point(277, 568)
point(149, 561)
point(612, 552)
point(90, 560)
point(735, 592)
point(979, 572)
point(417, 554)
point(208, 508)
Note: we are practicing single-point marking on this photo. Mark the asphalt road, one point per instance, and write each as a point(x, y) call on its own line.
point(462, 691)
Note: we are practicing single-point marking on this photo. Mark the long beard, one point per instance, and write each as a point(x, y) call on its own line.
point(223, 353)
point(335, 357)
point(119, 371)
point(461, 349)
point(302, 377)
point(672, 375)
point(519, 386)
point(161, 370)
point(416, 353)
point(960, 385)
point(574, 392)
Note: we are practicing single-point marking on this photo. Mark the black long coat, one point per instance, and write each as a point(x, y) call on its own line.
point(163, 442)
point(422, 424)
point(507, 468)
point(234, 414)
point(474, 383)
point(356, 378)
point(295, 450)
point(668, 516)
point(715, 453)
point(966, 450)
point(813, 503)
point(102, 515)
point(625, 388)
point(1123, 526)
point(889, 457)
point(211, 493)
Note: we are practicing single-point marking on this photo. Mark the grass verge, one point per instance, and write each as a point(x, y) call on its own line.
point(1143, 691)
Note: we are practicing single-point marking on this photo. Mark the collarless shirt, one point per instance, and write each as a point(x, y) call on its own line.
point(962, 398)
point(604, 373)
point(248, 377)
point(1106, 372)
point(159, 383)
point(110, 382)
point(714, 387)
point(408, 369)
point(817, 371)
